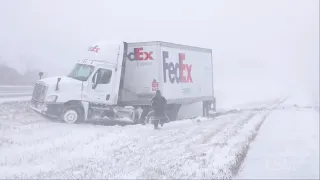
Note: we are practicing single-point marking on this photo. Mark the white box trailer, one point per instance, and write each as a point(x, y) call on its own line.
point(119, 79)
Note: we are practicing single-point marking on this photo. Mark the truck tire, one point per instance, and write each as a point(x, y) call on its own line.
point(72, 114)
point(143, 116)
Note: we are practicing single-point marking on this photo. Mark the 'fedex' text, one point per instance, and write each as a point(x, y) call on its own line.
point(178, 72)
point(139, 55)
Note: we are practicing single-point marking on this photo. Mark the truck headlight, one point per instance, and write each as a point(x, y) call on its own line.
point(51, 99)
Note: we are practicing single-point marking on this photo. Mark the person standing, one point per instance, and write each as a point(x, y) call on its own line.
point(158, 103)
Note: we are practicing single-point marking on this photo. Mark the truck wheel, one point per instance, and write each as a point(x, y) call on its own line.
point(144, 115)
point(71, 115)
point(150, 118)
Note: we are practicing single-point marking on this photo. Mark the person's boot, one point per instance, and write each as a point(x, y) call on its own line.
point(162, 122)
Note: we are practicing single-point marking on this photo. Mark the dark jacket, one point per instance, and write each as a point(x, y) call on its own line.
point(158, 103)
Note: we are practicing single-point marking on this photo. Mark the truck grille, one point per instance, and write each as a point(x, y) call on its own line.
point(39, 93)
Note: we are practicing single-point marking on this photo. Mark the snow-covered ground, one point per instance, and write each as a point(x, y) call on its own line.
point(201, 148)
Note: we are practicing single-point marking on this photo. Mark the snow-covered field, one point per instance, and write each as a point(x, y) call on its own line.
point(281, 139)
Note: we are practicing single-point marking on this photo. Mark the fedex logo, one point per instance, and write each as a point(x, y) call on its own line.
point(139, 55)
point(178, 72)
point(94, 49)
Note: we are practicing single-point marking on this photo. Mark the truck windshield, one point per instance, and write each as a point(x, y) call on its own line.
point(81, 72)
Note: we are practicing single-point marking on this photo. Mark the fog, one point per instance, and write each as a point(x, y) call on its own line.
point(261, 48)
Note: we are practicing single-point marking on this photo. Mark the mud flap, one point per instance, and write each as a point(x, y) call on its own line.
point(85, 105)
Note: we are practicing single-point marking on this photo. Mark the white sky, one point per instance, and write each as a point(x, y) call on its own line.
point(270, 45)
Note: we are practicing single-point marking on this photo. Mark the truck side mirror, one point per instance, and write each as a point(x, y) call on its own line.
point(40, 74)
point(94, 81)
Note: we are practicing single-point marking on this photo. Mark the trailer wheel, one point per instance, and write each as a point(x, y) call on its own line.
point(150, 117)
point(143, 116)
point(72, 114)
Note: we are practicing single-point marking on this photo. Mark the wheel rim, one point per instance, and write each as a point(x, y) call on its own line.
point(70, 116)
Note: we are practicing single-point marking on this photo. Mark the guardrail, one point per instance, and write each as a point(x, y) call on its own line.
point(15, 91)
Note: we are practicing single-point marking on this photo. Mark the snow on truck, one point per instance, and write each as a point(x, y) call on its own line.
point(118, 80)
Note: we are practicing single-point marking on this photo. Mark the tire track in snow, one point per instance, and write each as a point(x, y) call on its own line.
point(208, 137)
point(220, 124)
point(230, 145)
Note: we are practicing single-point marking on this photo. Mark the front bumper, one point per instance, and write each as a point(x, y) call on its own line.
point(51, 110)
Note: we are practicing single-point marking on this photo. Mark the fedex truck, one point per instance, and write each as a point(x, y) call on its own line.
point(118, 80)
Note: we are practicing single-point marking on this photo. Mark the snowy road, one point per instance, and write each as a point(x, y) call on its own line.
point(32, 147)
point(287, 147)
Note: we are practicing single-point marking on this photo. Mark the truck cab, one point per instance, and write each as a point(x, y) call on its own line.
point(94, 81)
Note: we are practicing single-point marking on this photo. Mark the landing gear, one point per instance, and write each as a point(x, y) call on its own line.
point(208, 107)
point(172, 111)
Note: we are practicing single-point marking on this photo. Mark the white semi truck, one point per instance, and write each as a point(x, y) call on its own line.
point(119, 79)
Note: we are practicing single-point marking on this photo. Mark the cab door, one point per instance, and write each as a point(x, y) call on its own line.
point(103, 85)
